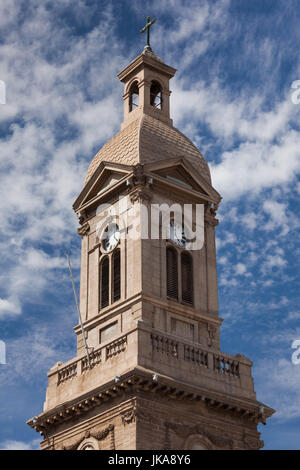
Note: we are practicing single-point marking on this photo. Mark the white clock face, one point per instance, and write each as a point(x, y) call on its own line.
point(176, 234)
point(110, 237)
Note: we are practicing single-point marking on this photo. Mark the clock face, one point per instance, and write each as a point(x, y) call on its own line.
point(110, 237)
point(176, 234)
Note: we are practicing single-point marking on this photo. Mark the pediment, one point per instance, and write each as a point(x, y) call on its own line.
point(106, 178)
point(180, 174)
point(177, 175)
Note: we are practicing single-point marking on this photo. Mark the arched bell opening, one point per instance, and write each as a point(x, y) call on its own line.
point(133, 96)
point(156, 99)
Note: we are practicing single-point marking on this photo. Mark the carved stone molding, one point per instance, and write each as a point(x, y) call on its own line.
point(139, 187)
point(84, 229)
point(184, 431)
point(212, 330)
point(81, 217)
point(90, 443)
point(251, 443)
point(198, 442)
point(138, 174)
point(128, 416)
point(137, 381)
point(139, 194)
point(210, 214)
point(99, 435)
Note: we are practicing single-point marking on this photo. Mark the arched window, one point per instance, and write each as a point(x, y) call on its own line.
point(89, 444)
point(186, 278)
point(133, 96)
point(172, 273)
point(116, 276)
point(156, 95)
point(104, 282)
point(198, 442)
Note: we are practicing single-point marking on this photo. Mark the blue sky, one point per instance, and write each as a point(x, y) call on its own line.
point(231, 95)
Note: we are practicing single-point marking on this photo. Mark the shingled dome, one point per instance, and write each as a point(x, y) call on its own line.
point(148, 140)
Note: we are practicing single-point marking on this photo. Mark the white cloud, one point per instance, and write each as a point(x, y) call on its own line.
point(255, 166)
point(277, 384)
point(268, 283)
point(68, 107)
point(31, 355)
point(9, 307)
point(278, 217)
point(228, 238)
point(224, 281)
point(222, 260)
point(292, 316)
point(37, 259)
point(250, 220)
point(273, 261)
point(20, 445)
point(240, 269)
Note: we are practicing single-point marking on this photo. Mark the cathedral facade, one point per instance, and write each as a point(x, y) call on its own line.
point(154, 376)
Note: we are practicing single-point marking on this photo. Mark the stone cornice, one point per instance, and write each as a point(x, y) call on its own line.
point(150, 61)
point(142, 380)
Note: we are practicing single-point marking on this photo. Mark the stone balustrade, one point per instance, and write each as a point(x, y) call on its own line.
point(225, 365)
point(221, 363)
point(116, 347)
point(171, 355)
point(80, 366)
point(168, 354)
point(67, 373)
point(196, 355)
point(95, 359)
point(164, 345)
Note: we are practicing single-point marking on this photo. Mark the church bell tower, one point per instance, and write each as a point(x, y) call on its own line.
point(155, 377)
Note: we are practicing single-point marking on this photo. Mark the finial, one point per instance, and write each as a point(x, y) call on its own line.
point(147, 27)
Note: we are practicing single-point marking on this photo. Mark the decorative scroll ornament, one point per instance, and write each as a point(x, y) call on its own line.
point(129, 416)
point(81, 217)
point(210, 214)
point(99, 435)
point(84, 229)
point(139, 187)
point(139, 194)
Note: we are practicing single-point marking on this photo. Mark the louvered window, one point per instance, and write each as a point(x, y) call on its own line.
point(104, 279)
point(187, 278)
point(116, 276)
point(172, 273)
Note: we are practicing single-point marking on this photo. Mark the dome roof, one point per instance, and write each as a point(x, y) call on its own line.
point(147, 140)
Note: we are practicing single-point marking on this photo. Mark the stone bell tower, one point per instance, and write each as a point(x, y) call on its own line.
point(157, 378)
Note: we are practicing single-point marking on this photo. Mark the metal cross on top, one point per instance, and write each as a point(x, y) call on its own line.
point(147, 27)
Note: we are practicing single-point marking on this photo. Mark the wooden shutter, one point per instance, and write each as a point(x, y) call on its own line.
point(187, 278)
point(172, 273)
point(116, 276)
point(104, 277)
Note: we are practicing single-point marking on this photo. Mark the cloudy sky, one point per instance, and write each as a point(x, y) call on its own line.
point(232, 96)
